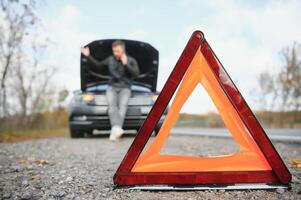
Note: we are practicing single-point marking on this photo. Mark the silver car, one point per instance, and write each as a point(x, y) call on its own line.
point(89, 108)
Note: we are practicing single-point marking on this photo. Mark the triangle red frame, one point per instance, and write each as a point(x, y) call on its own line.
point(279, 173)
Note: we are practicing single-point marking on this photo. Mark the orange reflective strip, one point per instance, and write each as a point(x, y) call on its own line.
point(250, 158)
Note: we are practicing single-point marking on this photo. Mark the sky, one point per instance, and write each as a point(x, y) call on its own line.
point(247, 36)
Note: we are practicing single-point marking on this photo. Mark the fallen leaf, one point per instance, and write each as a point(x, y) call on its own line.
point(42, 162)
point(22, 161)
point(35, 177)
point(294, 162)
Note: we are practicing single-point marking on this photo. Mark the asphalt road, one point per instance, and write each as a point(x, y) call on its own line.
point(75, 169)
point(274, 134)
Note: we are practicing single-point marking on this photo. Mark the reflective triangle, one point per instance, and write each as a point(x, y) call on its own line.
point(258, 162)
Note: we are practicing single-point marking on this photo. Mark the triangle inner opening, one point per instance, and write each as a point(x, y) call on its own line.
point(249, 158)
point(197, 128)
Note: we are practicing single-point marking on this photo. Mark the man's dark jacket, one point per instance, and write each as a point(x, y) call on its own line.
point(120, 75)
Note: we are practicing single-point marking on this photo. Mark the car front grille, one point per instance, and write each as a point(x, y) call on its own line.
point(140, 101)
point(137, 100)
point(101, 118)
point(129, 121)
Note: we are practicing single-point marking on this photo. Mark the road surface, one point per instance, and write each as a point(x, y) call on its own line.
point(274, 134)
point(64, 168)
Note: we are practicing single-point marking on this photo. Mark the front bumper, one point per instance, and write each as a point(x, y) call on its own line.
point(92, 122)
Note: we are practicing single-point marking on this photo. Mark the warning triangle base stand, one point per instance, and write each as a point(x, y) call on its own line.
point(152, 169)
point(250, 186)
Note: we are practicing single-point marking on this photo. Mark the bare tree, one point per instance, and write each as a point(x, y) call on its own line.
point(31, 85)
point(268, 93)
point(282, 90)
point(24, 78)
point(17, 20)
point(289, 80)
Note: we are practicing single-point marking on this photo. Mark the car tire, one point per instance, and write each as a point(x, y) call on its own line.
point(157, 129)
point(76, 133)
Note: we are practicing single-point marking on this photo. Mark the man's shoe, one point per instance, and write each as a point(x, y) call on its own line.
point(119, 132)
point(112, 134)
point(116, 133)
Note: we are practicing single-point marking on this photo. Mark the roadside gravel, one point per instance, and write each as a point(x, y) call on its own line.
point(64, 168)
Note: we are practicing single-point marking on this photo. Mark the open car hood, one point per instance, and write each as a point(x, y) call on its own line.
point(145, 54)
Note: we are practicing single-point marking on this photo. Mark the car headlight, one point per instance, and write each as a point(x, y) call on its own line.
point(80, 118)
point(87, 97)
point(154, 97)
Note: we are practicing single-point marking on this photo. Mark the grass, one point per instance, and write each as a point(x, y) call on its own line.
point(22, 135)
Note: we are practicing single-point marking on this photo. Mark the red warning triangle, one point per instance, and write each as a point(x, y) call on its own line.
point(258, 162)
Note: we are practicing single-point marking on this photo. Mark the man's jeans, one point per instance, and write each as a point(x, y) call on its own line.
point(118, 102)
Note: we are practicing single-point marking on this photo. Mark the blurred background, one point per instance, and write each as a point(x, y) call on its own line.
point(258, 42)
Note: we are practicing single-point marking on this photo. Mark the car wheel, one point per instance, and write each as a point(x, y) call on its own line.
point(76, 133)
point(157, 129)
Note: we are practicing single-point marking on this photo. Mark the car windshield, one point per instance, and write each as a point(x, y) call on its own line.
point(103, 87)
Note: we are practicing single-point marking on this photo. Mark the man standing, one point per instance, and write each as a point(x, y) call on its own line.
point(122, 69)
